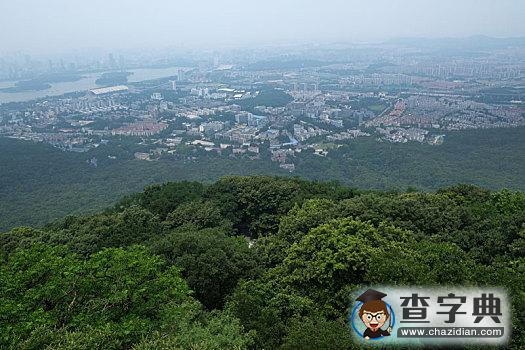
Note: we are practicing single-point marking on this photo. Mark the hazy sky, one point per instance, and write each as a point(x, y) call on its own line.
point(36, 25)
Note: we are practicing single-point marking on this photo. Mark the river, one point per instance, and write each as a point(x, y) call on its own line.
point(84, 84)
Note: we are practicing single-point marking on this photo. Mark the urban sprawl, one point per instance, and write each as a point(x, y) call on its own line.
point(246, 107)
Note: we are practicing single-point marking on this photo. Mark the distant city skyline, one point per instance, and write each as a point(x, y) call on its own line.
point(60, 25)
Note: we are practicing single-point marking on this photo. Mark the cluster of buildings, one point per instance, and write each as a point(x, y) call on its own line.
point(347, 135)
point(403, 135)
point(140, 128)
point(224, 110)
point(448, 113)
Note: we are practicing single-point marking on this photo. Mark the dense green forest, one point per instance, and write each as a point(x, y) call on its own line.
point(40, 183)
point(251, 262)
point(266, 97)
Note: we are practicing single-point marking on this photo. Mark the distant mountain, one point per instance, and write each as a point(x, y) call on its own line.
point(478, 42)
point(276, 64)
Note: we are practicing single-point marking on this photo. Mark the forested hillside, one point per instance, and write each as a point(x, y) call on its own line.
point(249, 263)
point(39, 183)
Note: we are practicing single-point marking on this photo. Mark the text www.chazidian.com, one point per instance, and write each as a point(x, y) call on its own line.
point(450, 332)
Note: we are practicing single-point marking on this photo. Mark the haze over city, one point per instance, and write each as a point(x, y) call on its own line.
point(60, 25)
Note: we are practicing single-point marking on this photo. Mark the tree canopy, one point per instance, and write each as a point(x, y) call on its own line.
point(253, 262)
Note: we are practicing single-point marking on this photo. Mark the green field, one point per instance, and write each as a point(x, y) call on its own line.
point(377, 108)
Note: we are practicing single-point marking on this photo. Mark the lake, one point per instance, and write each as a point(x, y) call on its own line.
point(84, 84)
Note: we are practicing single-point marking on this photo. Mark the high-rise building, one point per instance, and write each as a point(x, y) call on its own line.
point(111, 61)
point(121, 61)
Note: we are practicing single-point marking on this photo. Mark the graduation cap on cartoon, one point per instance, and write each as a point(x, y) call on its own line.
point(373, 295)
point(370, 295)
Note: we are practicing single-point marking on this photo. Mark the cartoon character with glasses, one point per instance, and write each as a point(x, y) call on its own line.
point(374, 314)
